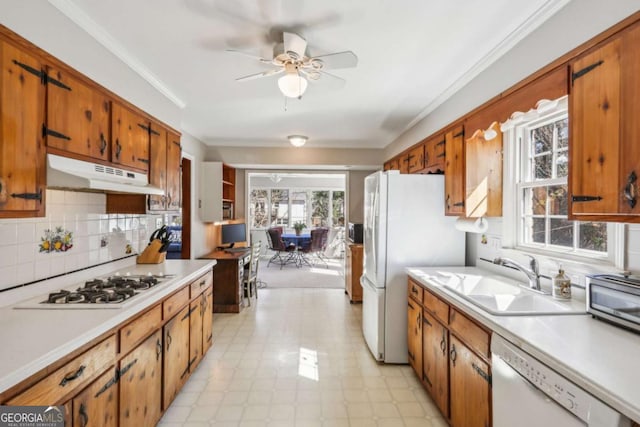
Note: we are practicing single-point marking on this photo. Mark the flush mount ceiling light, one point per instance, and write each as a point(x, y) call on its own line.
point(275, 178)
point(297, 140)
point(292, 85)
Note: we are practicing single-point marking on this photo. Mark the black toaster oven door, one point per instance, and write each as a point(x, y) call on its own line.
point(618, 303)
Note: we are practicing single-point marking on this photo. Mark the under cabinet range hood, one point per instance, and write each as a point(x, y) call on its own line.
point(71, 174)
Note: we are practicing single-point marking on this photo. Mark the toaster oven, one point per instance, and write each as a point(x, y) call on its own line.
point(615, 299)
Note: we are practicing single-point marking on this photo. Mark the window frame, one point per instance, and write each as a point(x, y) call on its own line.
point(515, 157)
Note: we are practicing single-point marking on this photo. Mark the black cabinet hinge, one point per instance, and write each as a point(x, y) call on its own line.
point(48, 79)
point(50, 132)
point(178, 144)
point(461, 133)
point(153, 131)
point(28, 196)
point(145, 127)
point(108, 384)
point(441, 155)
point(39, 73)
point(585, 70)
point(424, 320)
point(482, 373)
point(425, 378)
point(444, 141)
point(459, 204)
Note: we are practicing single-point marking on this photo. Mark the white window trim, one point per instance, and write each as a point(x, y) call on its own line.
point(511, 208)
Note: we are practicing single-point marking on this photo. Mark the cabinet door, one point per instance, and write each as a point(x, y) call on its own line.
point(97, 405)
point(130, 138)
point(141, 384)
point(174, 175)
point(176, 355)
point(483, 174)
point(403, 163)
point(414, 338)
point(158, 165)
point(435, 361)
point(454, 178)
point(77, 117)
point(196, 319)
point(348, 272)
point(595, 131)
point(207, 320)
point(470, 387)
point(416, 159)
point(22, 153)
point(435, 154)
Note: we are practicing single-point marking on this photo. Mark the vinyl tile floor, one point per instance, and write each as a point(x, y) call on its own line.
point(297, 357)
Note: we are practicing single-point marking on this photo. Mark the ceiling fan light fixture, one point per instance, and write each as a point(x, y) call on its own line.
point(297, 140)
point(292, 85)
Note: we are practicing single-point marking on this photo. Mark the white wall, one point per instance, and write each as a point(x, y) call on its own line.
point(356, 195)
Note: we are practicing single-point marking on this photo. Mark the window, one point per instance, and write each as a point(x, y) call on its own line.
point(269, 207)
point(539, 148)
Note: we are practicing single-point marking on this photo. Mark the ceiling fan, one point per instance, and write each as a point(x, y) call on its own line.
point(291, 58)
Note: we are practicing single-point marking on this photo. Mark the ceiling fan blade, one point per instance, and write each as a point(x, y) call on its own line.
point(327, 81)
point(332, 61)
point(264, 61)
point(294, 43)
point(260, 75)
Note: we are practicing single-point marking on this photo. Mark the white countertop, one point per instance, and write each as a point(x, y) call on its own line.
point(600, 358)
point(32, 339)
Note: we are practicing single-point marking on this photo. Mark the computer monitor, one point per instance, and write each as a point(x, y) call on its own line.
point(232, 233)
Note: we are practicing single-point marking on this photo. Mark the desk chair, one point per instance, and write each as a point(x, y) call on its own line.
point(251, 273)
point(315, 247)
point(284, 254)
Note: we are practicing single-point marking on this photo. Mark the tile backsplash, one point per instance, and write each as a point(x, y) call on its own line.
point(75, 234)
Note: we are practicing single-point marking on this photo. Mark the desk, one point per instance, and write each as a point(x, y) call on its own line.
point(227, 279)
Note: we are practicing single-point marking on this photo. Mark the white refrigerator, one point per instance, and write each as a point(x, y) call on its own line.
point(404, 226)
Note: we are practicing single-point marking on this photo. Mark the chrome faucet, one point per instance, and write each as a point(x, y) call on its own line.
point(533, 273)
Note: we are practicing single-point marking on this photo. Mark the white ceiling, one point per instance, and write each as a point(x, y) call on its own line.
point(413, 54)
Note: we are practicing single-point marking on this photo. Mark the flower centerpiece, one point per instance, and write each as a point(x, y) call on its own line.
point(298, 226)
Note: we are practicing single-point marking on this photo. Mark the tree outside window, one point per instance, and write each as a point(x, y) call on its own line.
point(319, 208)
point(279, 207)
point(337, 209)
point(258, 208)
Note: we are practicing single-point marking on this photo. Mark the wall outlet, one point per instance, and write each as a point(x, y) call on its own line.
point(495, 243)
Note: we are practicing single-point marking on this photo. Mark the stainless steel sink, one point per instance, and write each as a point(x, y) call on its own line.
point(502, 296)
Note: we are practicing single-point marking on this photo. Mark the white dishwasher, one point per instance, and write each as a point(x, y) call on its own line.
point(529, 393)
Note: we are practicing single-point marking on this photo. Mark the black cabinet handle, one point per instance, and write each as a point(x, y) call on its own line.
point(103, 144)
point(84, 418)
point(630, 190)
point(453, 355)
point(73, 376)
point(118, 148)
point(168, 340)
point(158, 349)
point(443, 343)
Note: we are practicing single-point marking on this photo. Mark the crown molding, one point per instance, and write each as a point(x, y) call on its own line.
point(527, 27)
point(84, 21)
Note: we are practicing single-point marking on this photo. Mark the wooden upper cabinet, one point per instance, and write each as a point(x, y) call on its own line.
point(158, 165)
point(484, 174)
point(130, 138)
point(416, 159)
point(77, 116)
point(604, 154)
point(22, 151)
point(454, 172)
point(174, 176)
point(435, 154)
point(403, 163)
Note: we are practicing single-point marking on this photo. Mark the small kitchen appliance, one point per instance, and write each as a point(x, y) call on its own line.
point(614, 298)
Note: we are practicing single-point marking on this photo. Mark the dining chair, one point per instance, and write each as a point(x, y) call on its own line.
point(284, 254)
point(315, 248)
point(251, 273)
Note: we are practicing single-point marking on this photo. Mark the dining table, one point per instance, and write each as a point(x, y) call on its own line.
point(297, 239)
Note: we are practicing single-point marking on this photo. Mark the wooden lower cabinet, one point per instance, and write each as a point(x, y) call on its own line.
point(196, 320)
point(141, 384)
point(207, 320)
point(176, 355)
point(353, 271)
point(414, 337)
point(97, 405)
point(450, 354)
point(470, 390)
point(435, 361)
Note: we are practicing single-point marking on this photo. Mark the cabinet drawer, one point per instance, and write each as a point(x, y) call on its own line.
point(139, 328)
point(201, 283)
point(175, 302)
point(436, 306)
point(415, 291)
point(469, 332)
point(67, 380)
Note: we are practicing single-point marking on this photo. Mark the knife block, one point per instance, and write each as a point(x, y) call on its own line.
point(152, 254)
